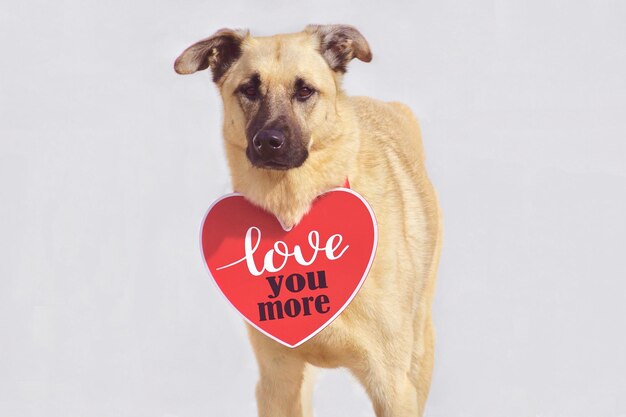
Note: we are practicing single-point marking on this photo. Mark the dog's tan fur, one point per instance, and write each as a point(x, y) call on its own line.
point(385, 336)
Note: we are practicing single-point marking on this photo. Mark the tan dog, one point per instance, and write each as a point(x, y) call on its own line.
point(291, 134)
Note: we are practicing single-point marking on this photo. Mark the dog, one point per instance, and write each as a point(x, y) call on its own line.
point(291, 134)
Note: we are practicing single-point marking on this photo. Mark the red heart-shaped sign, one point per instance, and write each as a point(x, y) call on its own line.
point(290, 284)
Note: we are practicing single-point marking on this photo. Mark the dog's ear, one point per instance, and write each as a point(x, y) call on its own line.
point(339, 44)
point(218, 52)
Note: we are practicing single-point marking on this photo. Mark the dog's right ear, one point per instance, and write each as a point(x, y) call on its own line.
point(218, 52)
point(339, 44)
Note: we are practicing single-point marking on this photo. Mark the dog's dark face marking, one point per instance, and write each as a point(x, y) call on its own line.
point(277, 91)
point(276, 136)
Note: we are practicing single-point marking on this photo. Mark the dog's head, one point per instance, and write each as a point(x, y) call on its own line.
point(279, 92)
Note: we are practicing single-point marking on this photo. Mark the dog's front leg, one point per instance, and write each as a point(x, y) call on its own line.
point(388, 385)
point(279, 390)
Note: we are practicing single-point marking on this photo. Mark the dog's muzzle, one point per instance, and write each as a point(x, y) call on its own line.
point(269, 148)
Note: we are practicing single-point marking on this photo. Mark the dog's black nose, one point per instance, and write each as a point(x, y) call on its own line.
point(267, 143)
point(276, 149)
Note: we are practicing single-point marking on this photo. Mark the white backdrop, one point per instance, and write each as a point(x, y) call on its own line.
point(109, 159)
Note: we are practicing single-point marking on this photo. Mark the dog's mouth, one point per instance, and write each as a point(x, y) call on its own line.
point(277, 163)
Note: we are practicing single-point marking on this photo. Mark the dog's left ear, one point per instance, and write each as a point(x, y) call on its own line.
point(218, 52)
point(339, 44)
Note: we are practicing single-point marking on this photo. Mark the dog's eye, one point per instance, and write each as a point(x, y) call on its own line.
point(304, 93)
point(250, 92)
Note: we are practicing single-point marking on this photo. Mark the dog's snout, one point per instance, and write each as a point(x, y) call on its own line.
point(268, 142)
point(276, 148)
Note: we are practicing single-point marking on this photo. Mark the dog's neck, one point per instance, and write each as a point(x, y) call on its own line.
point(289, 194)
